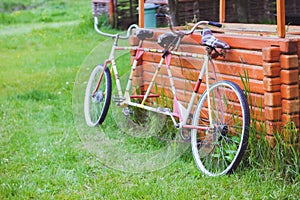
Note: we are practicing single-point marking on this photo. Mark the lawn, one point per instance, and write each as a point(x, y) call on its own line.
point(42, 155)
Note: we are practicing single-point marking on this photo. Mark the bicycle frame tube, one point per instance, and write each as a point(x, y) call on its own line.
point(114, 67)
point(153, 80)
point(139, 53)
point(112, 61)
point(208, 97)
point(100, 77)
point(196, 88)
point(204, 69)
point(218, 93)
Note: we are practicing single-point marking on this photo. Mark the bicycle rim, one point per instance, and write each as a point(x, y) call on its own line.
point(219, 149)
point(96, 105)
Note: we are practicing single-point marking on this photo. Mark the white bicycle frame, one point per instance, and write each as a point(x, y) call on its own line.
point(178, 109)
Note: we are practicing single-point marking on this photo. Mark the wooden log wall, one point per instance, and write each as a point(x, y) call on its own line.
point(271, 63)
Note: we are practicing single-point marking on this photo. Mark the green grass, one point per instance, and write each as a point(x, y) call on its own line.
point(29, 11)
point(41, 154)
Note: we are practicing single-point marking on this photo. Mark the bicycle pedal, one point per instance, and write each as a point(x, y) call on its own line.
point(118, 98)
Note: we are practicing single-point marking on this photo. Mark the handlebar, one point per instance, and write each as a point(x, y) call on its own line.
point(114, 35)
point(216, 24)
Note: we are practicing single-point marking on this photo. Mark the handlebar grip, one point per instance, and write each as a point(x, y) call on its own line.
point(215, 24)
point(160, 15)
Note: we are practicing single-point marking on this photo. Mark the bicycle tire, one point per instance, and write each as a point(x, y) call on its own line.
point(218, 151)
point(96, 107)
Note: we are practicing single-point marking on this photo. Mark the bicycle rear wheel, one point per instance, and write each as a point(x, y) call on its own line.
point(96, 104)
point(219, 149)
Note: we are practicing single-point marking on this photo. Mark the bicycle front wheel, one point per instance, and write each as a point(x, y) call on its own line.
point(218, 149)
point(97, 96)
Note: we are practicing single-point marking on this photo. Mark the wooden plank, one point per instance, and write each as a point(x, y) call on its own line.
point(267, 30)
point(244, 56)
point(289, 91)
point(289, 61)
point(222, 11)
point(273, 113)
point(290, 106)
point(289, 76)
point(271, 84)
point(251, 57)
point(111, 11)
point(249, 28)
point(233, 55)
point(237, 69)
point(280, 5)
point(272, 99)
point(141, 14)
point(193, 65)
point(190, 76)
point(271, 54)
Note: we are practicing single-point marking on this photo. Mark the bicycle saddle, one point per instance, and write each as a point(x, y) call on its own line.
point(209, 40)
point(167, 39)
point(144, 33)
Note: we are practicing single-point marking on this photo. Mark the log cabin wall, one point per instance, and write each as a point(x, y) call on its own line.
point(271, 63)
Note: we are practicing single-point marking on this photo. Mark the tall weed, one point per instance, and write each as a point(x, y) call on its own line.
point(280, 157)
